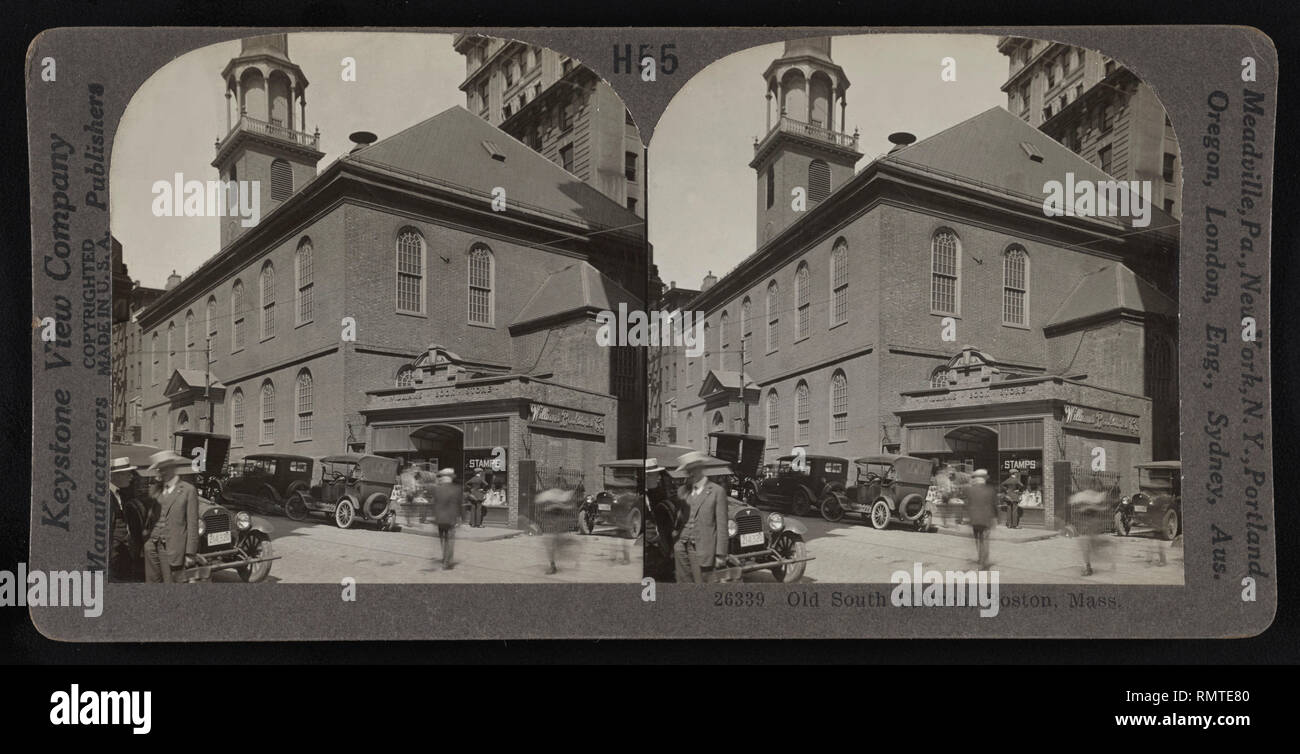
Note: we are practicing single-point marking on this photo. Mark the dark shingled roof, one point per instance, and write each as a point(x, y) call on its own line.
point(1113, 288)
point(576, 289)
point(455, 148)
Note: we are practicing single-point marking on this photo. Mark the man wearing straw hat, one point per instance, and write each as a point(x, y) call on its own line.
point(982, 510)
point(703, 542)
point(174, 539)
point(446, 500)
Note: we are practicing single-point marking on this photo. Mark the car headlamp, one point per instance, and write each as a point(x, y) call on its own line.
point(775, 521)
point(1123, 500)
point(201, 527)
point(591, 498)
point(731, 528)
point(243, 520)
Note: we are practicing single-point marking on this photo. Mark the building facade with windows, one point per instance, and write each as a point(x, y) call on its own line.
point(559, 108)
point(926, 306)
point(382, 306)
point(1099, 110)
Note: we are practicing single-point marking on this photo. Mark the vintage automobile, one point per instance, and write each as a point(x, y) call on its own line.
point(888, 488)
point(744, 454)
point(1158, 503)
point(263, 482)
point(210, 451)
point(231, 540)
point(798, 482)
point(621, 502)
point(352, 487)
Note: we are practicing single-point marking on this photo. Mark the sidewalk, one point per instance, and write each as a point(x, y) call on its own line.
point(999, 533)
point(464, 532)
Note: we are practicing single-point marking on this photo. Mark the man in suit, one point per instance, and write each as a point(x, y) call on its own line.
point(702, 546)
point(173, 541)
point(982, 510)
point(1012, 489)
point(446, 500)
point(476, 491)
point(128, 517)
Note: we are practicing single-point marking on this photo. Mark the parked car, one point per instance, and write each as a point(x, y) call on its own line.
point(769, 542)
point(744, 454)
point(798, 482)
point(264, 481)
point(352, 487)
point(210, 460)
point(1158, 503)
point(887, 488)
point(231, 540)
point(621, 502)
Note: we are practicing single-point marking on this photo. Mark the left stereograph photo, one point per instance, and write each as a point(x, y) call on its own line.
point(358, 281)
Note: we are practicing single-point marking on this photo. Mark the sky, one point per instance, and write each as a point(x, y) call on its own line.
point(702, 202)
point(174, 119)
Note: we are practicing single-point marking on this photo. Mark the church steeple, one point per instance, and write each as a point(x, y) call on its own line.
point(266, 114)
point(805, 146)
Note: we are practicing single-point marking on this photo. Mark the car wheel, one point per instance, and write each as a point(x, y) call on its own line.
point(634, 523)
point(880, 514)
point(586, 521)
point(1122, 524)
point(260, 547)
point(295, 508)
point(344, 514)
point(923, 521)
point(802, 504)
point(790, 547)
point(831, 509)
point(1169, 526)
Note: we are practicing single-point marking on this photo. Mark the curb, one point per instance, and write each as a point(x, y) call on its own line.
point(1015, 541)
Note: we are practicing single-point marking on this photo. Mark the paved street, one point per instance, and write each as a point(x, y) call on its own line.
point(319, 552)
point(856, 553)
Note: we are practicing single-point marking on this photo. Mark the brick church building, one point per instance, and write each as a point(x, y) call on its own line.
point(381, 305)
point(925, 305)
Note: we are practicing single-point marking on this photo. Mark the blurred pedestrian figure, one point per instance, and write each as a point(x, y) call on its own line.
point(446, 500)
point(1090, 510)
point(475, 491)
point(558, 514)
point(172, 543)
point(982, 509)
point(1012, 489)
point(703, 543)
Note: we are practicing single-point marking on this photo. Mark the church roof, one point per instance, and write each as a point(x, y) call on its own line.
point(729, 379)
point(989, 150)
point(189, 379)
point(576, 289)
point(462, 151)
point(1112, 289)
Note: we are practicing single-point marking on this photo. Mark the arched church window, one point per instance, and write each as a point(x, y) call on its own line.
point(945, 273)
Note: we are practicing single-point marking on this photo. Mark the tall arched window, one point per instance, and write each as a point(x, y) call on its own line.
point(182, 421)
point(724, 343)
point(746, 331)
point(237, 316)
point(945, 273)
point(840, 282)
point(303, 304)
point(303, 402)
point(153, 427)
point(410, 272)
point(719, 424)
point(773, 316)
point(210, 319)
point(801, 413)
point(267, 283)
point(190, 349)
point(153, 353)
point(704, 358)
point(171, 349)
point(1160, 364)
point(481, 304)
point(237, 417)
point(819, 180)
point(839, 406)
point(773, 420)
point(266, 434)
point(802, 300)
point(1015, 287)
point(690, 427)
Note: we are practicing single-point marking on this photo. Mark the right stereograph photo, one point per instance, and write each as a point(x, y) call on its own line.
point(924, 316)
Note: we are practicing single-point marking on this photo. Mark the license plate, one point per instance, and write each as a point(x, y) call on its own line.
point(220, 538)
point(603, 506)
point(749, 540)
point(1139, 509)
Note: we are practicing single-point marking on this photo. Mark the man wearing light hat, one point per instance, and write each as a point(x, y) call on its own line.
point(173, 541)
point(446, 499)
point(703, 542)
point(982, 510)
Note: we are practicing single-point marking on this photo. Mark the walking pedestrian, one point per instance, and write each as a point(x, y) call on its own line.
point(476, 491)
point(702, 546)
point(172, 543)
point(446, 500)
point(558, 516)
point(982, 510)
point(1012, 489)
